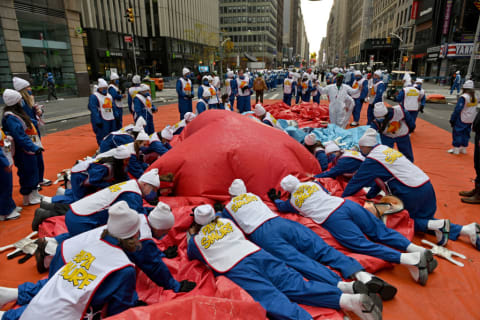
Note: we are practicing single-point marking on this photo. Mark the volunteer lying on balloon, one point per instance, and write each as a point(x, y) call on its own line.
point(317, 149)
point(409, 183)
point(220, 244)
point(348, 223)
point(125, 135)
point(344, 162)
point(296, 245)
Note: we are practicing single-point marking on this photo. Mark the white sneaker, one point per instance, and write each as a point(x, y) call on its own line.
point(60, 99)
point(11, 216)
point(454, 150)
point(31, 199)
point(354, 124)
point(60, 191)
point(463, 150)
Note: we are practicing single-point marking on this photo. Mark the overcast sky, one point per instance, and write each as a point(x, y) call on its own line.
point(315, 15)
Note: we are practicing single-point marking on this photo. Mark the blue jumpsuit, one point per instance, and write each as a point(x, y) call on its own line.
point(456, 84)
point(130, 99)
point(460, 131)
point(401, 100)
point(7, 205)
point(322, 159)
point(33, 118)
point(184, 103)
point(136, 167)
point(316, 98)
point(77, 191)
point(306, 95)
point(116, 292)
point(299, 92)
point(202, 106)
point(275, 286)
point(404, 144)
point(243, 102)
point(100, 126)
point(359, 101)
point(351, 222)
point(302, 249)
point(141, 110)
point(24, 158)
point(378, 98)
point(420, 202)
point(117, 112)
point(77, 224)
point(287, 98)
point(343, 165)
point(233, 86)
point(114, 140)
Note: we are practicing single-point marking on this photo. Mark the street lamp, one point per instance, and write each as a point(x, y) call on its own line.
point(223, 54)
point(401, 50)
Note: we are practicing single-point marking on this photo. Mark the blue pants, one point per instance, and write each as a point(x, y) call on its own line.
point(26, 292)
point(350, 223)
point(370, 115)
point(302, 249)
point(403, 144)
point(78, 224)
point(297, 99)
point(107, 127)
point(27, 166)
point(213, 106)
point(279, 288)
point(414, 115)
point(455, 85)
point(243, 104)
point(287, 98)
point(461, 134)
point(184, 106)
point(357, 109)
point(476, 158)
point(316, 98)
point(421, 205)
point(6, 202)
point(232, 101)
point(41, 167)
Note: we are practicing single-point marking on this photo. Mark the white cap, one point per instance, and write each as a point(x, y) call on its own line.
point(230, 74)
point(121, 152)
point(154, 137)
point(144, 87)
point(419, 80)
point(167, 133)
point(259, 110)
point(140, 124)
point(305, 76)
point(468, 84)
point(458, 72)
point(289, 183)
point(331, 147)
point(369, 138)
point(102, 83)
point(237, 188)
point(20, 84)
point(206, 94)
point(210, 78)
point(204, 214)
point(123, 222)
point(114, 76)
point(136, 79)
point(378, 73)
point(205, 77)
point(11, 97)
point(335, 70)
point(142, 136)
point(161, 217)
point(151, 177)
point(310, 139)
point(379, 110)
point(357, 73)
point(189, 116)
point(185, 71)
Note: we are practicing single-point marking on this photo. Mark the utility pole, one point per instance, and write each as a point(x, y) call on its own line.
point(471, 64)
point(131, 19)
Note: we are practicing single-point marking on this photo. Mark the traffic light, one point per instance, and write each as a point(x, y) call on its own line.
point(129, 15)
point(405, 58)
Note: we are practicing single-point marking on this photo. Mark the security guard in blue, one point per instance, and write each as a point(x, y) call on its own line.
point(345, 163)
point(462, 118)
point(17, 124)
point(456, 83)
point(293, 243)
point(244, 91)
point(267, 279)
point(289, 89)
point(92, 211)
point(359, 97)
point(102, 117)
point(317, 149)
point(394, 125)
point(185, 93)
point(116, 94)
point(409, 183)
point(349, 223)
point(375, 94)
point(143, 107)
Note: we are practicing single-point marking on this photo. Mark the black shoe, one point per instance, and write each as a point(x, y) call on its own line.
point(41, 215)
point(385, 290)
point(40, 255)
point(432, 263)
point(360, 287)
point(47, 205)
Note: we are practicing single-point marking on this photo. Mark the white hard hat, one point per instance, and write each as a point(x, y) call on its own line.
point(167, 133)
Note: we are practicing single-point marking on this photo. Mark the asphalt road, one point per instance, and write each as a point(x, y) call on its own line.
point(70, 113)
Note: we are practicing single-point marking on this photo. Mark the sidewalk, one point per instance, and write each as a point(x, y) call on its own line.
point(433, 88)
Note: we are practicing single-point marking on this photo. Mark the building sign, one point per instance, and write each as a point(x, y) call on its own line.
point(455, 50)
point(381, 43)
point(128, 39)
point(413, 14)
point(446, 19)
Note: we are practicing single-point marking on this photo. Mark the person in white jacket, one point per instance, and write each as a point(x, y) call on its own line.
point(341, 102)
